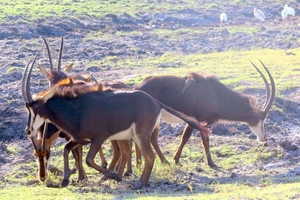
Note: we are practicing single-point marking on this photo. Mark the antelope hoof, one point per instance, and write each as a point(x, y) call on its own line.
point(138, 185)
point(166, 162)
point(212, 164)
point(73, 171)
point(81, 178)
point(178, 163)
point(84, 180)
point(64, 183)
point(104, 165)
point(128, 173)
point(114, 176)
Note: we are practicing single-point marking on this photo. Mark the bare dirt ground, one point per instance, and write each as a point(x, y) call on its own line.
point(21, 41)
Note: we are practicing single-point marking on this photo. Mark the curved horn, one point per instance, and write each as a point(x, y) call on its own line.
point(23, 82)
point(49, 54)
point(60, 54)
point(267, 107)
point(266, 84)
point(26, 82)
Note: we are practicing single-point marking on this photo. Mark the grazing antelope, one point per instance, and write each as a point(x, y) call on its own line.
point(207, 99)
point(42, 150)
point(49, 131)
point(89, 114)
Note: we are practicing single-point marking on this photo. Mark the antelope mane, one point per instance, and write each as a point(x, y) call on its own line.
point(70, 89)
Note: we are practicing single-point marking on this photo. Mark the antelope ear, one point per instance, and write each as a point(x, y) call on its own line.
point(188, 82)
point(50, 93)
point(44, 72)
point(89, 78)
point(68, 68)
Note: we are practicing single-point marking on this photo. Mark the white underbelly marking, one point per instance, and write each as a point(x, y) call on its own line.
point(123, 135)
point(170, 118)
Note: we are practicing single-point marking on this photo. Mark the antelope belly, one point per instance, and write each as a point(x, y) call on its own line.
point(123, 135)
point(170, 118)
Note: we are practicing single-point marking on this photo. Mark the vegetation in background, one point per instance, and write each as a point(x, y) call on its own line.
point(231, 67)
point(32, 10)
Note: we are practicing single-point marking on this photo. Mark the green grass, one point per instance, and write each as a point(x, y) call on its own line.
point(33, 10)
point(21, 182)
point(233, 67)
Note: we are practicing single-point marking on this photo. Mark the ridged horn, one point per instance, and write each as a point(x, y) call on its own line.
point(49, 54)
point(60, 54)
point(268, 105)
point(26, 81)
point(270, 91)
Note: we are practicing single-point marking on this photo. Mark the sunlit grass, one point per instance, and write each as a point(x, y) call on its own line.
point(33, 10)
point(265, 187)
point(233, 67)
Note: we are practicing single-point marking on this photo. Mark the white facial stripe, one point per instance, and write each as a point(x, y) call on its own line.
point(36, 121)
point(31, 118)
point(259, 131)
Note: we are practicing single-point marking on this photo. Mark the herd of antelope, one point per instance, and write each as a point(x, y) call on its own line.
point(84, 111)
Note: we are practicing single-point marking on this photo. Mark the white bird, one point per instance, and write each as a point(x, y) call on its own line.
point(284, 13)
point(259, 14)
point(223, 18)
point(290, 10)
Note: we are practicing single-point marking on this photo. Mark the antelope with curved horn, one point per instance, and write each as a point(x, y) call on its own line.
point(54, 76)
point(48, 132)
point(90, 115)
point(207, 99)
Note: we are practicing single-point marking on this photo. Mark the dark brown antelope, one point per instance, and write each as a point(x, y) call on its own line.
point(42, 149)
point(209, 100)
point(48, 132)
point(90, 115)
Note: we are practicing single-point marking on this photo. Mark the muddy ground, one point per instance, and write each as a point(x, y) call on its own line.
point(19, 42)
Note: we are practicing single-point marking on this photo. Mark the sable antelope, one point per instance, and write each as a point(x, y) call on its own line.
point(48, 132)
point(42, 149)
point(90, 115)
point(207, 99)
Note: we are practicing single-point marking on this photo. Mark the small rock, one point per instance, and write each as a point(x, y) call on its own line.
point(198, 169)
point(252, 136)
point(287, 145)
point(233, 175)
point(93, 69)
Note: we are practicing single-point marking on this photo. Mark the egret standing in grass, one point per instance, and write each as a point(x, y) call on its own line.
point(284, 13)
point(223, 18)
point(259, 15)
point(290, 11)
